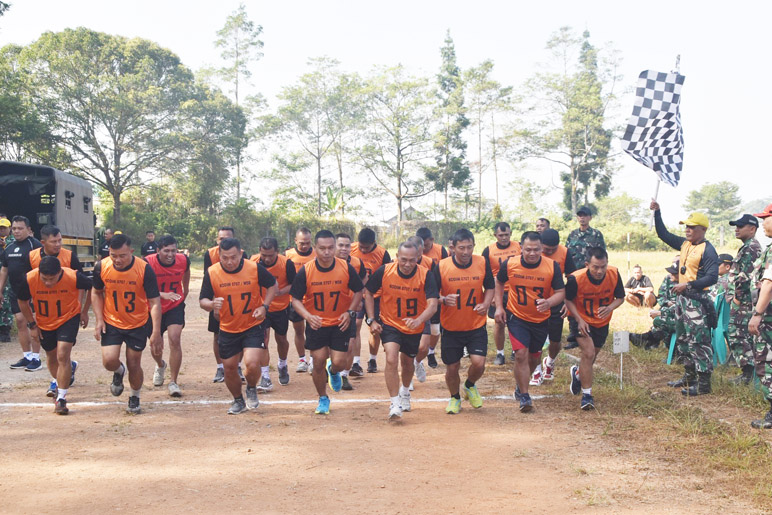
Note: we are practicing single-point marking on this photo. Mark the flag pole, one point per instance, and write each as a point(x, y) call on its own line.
point(656, 194)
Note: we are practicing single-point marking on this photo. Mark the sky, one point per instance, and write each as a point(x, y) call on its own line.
point(725, 100)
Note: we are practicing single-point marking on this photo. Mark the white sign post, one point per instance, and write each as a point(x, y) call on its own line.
point(621, 345)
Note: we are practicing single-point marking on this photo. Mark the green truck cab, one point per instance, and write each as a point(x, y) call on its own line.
point(49, 196)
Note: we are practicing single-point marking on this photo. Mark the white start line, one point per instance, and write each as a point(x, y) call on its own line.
point(207, 402)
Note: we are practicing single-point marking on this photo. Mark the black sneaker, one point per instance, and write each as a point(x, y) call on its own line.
point(116, 387)
point(219, 376)
point(576, 385)
point(346, 385)
point(33, 366)
point(571, 345)
point(133, 406)
point(356, 370)
point(526, 404)
point(61, 407)
point(372, 367)
point(588, 403)
point(499, 360)
point(52, 390)
point(431, 359)
point(284, 377)
point(74, 365)
point(238, 406)
point(517, 394)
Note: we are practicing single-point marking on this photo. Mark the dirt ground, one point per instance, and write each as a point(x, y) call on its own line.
point(188, 455)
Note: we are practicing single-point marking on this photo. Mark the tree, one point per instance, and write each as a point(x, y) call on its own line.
point(240, 42)
point(567, 119)
point(486, 98)
point(720, 201)
point(396, 137)
point(451, 169)
point(114, 104)
point(4, 7)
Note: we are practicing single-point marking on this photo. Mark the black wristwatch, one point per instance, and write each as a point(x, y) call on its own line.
point(266, 306)
point(352, 313)
point(31, 325)
point(369, 320)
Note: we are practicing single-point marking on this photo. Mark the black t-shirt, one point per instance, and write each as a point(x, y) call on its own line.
point(430, 285)
point(149, 284)
point(81, 282)
point(208, 259)
point(16, 258)
point(149, 247)
point(645, 282)
point(104, 250)
point(298, 289)
point(264, 279)
point(75, 263)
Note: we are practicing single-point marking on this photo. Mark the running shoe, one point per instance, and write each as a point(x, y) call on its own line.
point(158, 375)
point(346, 384)
point(133, 406)
point(34, 365)
point(22, 363)
point(517, 393)
point(372, 366)
point(310, 365)
point(302, 366)
point(454, 406)
point(116, 387)
point(431, 359)
point(537, 378)
point(356, 370)
point(499, 360)
point(252, 401)
point(174, 390)
point(473, 396)
point(237, 406)
point(219, 376)
point(74, 365)
point(576, 385)
point(420, 372)
point(52, 389)
point(588, 403)
point(266, 385)
point(526, 405)
point(61, 407)
point(334, 380)
point(404, 401)
point(395, 412)
point(323, 408)
point(548, 372)
point(284, 376)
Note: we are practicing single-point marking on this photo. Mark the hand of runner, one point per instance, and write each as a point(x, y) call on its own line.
point(259, 313)
point(500, 316)
point(315, 321)
point(217, 304)
point(375, 327)
point(604, 311)
point(84, 318)
point(345, 320)
point(99, 328)
point(480, 309)
point(412, 323)
point(542, 305)
point(583, 327)
point(564, 311)
point(451, 300)
point(170, 295)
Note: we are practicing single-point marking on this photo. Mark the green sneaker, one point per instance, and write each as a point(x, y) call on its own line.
point(473, 396)
point(454, 406)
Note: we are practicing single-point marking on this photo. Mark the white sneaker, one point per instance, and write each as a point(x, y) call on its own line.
point(548, 371)
point(395, 412)
point(404, 401)
point(420, 372)
point(158, 375)
point(537, 378)
point(302, 366)
point(174, 390)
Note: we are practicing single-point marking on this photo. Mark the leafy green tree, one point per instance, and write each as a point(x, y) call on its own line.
point(240, 43)
point(451, 169)
point(568, 117)
point(720, 201)
point(114, 104)
point(4, 7)
point(396, 138)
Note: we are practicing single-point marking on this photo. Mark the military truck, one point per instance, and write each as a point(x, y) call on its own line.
point(49, 196)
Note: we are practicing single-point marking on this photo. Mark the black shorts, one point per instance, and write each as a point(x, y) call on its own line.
point(278, 321)
point(408, 343)
point(14, 300)
point(175, 316)
point(453, 343)
point(436, 316)
point(135, 339)
point(492, 309)
point(294, 317)
point(555, 324)
point(528, 335)
point(331, 337)
point(352, 328)
point(599, 335)
point(230, 344)
point(214, 324)
point(67, 332)
point(361, 313)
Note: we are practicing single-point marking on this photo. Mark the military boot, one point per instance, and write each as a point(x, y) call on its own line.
point(5, 333)
point(639, 339)
point(764, 423)
point(745, 377)
point(689, 378)
point(701, 388)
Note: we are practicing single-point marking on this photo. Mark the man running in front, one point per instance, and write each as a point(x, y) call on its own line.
point(300, 255)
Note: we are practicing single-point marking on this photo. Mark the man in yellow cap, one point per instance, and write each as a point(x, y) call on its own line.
point(6, 315)
point(695, 314)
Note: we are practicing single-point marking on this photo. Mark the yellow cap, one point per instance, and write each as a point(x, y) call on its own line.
point(4, 222)
point(696, 219)
point(118, 232)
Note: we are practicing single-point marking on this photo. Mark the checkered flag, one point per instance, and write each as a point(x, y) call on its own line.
point(653, 135)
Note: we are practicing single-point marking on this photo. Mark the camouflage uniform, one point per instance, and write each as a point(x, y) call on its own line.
point(720, 288)
point(738, 296)
point(763, 342)
point(665, 324)
point(6, 317)
point(665, 293)
point(580, 241)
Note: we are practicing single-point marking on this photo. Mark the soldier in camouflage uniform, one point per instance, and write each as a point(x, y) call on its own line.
point(760, 325)
point(738, 296)
point(577, 244)
point(695, 314)
point(664, 322)
point(722, 285)
point(6, 316)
